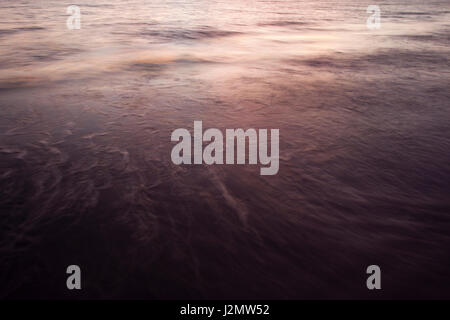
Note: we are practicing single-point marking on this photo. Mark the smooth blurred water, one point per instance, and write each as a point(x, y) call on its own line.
point(86, 176)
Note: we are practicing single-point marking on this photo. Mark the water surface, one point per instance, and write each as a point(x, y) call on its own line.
point(86, 176)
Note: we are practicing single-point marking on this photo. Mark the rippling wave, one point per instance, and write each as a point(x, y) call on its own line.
point(86, 176)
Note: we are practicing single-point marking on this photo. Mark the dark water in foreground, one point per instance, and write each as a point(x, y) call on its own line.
point(86, 176)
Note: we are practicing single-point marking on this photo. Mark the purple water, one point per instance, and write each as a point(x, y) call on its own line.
point(86, 176)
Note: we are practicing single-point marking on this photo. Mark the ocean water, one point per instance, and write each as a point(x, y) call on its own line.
point(86, 176)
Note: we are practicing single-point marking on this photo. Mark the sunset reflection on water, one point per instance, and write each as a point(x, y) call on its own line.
point(85, 124)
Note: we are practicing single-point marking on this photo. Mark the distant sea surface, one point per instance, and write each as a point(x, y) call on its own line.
point(86, 176)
